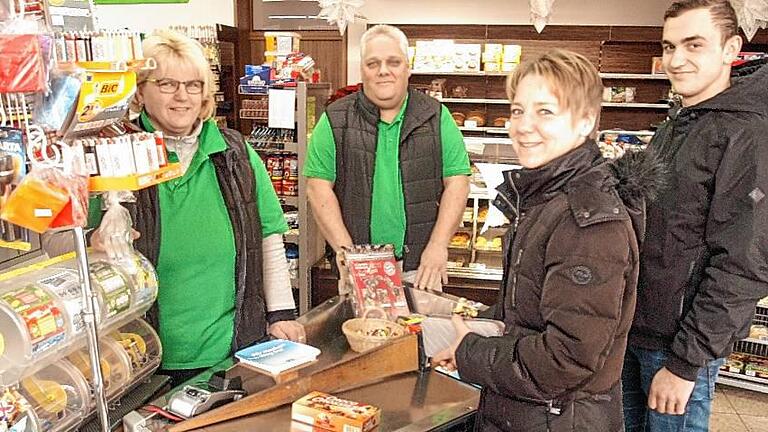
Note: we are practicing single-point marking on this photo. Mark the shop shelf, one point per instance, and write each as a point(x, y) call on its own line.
point(251, 90)
point(110, 66)
point(135, 182)
point(472, 273)
point(489, 130)
point(633, 76)
point(286, 147)
point(743, 381)
point(466, 73)
point(635, 105)
point(288, 200)
point(475, 101)
point(487, 140)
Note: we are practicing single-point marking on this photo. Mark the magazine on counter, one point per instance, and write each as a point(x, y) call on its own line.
point(277, 355)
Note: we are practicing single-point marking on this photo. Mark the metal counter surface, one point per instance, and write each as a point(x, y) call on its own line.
point(415, 401)
point(410, 402)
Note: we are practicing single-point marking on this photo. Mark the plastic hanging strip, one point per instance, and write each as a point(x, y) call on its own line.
point(36, 138)
point(3, 116)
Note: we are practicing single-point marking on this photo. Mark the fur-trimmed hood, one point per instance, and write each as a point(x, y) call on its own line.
point(640, 176)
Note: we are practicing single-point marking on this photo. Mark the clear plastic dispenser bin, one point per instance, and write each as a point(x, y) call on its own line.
point(142, 345)
point(65, 283)
point(16, 413)
point(33, 325)
point(115, 366)
point(59, 395)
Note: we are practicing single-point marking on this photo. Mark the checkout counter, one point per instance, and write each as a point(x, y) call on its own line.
point(419, 399)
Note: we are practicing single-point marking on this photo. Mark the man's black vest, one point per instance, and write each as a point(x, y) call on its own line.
point(354, 120)
point(238, 187)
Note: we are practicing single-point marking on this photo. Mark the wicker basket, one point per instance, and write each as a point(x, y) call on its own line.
point(356, 330)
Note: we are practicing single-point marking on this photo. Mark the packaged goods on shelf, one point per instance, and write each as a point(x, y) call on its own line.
point(434, 55)
point(100, 46)
point(619, 94)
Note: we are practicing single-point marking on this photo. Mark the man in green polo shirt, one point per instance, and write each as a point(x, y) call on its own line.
point(388, 165)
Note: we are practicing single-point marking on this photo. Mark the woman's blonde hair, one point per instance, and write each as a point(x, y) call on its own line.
point(573, 79)
point(168, 47)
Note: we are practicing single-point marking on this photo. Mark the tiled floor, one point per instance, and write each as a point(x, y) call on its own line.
point(737, 410)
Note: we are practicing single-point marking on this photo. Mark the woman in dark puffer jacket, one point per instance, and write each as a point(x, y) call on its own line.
point(570, 263)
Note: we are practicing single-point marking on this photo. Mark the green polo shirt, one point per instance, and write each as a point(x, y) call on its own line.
point(196, 264)
point(388, 204)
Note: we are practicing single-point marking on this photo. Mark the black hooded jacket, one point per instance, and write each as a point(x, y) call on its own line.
point(704, 265)
point(568, 294)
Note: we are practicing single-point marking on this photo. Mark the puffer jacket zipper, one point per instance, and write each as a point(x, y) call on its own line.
point(514, 240)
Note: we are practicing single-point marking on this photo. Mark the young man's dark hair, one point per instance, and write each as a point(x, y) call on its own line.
point(722, 13)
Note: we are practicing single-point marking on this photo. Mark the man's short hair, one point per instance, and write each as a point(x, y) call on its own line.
point(572, 78)
point(384, 30)
point(722, 13)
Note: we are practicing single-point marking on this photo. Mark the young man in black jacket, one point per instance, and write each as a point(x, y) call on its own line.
point(703, 264)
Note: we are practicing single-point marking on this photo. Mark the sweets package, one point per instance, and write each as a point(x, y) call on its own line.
point(36, 201)
point(375, 280)
point(21, 64)
point(335, 414)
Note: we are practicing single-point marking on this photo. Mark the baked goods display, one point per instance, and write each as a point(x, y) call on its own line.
point(458, 117)
point(476, 116)
point(500, 122)
point(460, 240)
point(482, 243)
point(758, 331)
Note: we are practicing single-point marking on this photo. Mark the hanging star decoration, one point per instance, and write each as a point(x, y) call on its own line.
point(540, 12)
point(340, 12)
point(752, 14)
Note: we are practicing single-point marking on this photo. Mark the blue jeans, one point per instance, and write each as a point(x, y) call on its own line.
point(640, 366)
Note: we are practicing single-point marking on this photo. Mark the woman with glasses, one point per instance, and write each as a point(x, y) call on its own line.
point(214, 234)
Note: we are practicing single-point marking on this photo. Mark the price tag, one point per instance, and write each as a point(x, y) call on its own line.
point(470, 124)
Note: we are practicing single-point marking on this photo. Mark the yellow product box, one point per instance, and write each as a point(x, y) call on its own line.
point(493, 53)
point(492, 67)
point(512, 53)
point(508, 67)
point(331, 413)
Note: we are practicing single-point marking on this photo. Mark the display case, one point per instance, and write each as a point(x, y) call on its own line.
point(59, 396)
point(45, 366)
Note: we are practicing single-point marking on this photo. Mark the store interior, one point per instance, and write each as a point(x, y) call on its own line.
point(460, 53)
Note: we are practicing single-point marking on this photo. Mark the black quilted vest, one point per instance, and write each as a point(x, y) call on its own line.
point(238, 187)
point(354, 120)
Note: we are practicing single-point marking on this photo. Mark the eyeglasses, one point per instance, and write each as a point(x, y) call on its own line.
point(170, 86)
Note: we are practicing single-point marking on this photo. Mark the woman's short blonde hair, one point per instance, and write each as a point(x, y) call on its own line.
point(573, 79)
point(168, 47)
